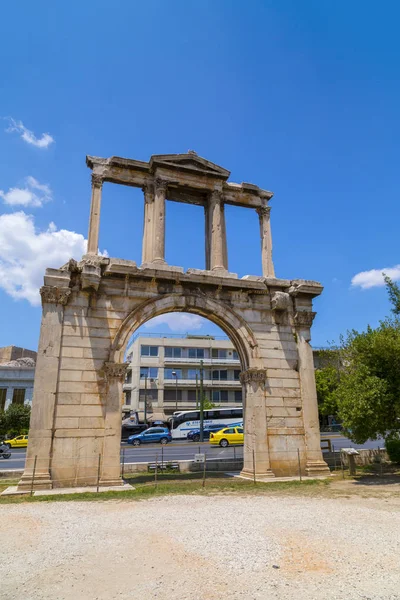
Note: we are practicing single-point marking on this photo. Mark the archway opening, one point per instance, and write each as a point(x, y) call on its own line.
point(183, 367)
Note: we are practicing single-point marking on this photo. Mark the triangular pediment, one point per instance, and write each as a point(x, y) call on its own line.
point(188, 162)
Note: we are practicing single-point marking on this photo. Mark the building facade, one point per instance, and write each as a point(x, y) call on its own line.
point(164, 369)
point(17, 373)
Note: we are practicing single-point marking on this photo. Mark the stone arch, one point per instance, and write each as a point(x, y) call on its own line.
point(219, 313)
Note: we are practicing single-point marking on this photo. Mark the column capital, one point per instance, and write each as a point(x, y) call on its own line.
point(97, 180)
point(148, 190)
point(303, 319)
point(115, 370)
point(263, 211)
point(54, 295)
point(217, 196)
point(160, 184)
point(253, 376)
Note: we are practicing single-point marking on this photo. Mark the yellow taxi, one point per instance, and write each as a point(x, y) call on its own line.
point(228, 436)
point(21, 441)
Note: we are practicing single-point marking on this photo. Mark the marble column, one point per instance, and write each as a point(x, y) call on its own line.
point(315, 465)
point(45, 390)
point(255, 451)
point(94, 221)
point(160, 192)
point(217, 259)
point(9, 396)
point(266, 241)
point(148, 229)
point(110, 465)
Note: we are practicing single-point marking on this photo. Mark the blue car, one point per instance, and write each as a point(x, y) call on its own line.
point(194, 434)
point(151, 436)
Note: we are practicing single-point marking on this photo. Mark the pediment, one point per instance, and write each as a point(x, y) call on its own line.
point(188, 162)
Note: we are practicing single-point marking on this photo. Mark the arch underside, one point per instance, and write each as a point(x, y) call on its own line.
point(219, 313)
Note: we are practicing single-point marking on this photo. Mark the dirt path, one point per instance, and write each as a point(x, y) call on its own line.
point(206, 547)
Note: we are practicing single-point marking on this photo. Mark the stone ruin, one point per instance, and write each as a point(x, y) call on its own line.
point(91, 309)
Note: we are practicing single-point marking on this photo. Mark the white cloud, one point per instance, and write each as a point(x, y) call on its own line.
point(25, 254)
point(28, 136)
point(178, 321)
point(33, 194)
point(374, 277)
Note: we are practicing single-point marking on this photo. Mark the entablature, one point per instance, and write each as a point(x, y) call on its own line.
point(190, 178)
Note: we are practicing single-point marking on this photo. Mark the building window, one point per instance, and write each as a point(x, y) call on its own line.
point(196, 352)
point(220, 374)
point(170, 395)
point(151, 372)
point(220, 396)
point(151, 395)
point(18, 396)
point(218, 353)
point(171, 352)
point(149, 350)
point(128, 398)
point(236, 374)
point(128, 378)
point(235, 355)
point(238, 396)
point(3, 396)
point(168, 373)
point(191, 396)
point(191, 374)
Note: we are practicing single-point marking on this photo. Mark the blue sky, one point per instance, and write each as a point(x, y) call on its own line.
point(301, 98)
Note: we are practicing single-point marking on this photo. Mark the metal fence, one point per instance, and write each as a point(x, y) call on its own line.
point(94, 470)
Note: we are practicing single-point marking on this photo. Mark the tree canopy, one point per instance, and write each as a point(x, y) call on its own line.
point(364, 390)
point(15, 420)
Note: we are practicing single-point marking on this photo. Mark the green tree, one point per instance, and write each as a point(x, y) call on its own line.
point(327, 381)
point(368, 392)
point(207, 404)
point(3, 424)
point(17, 418)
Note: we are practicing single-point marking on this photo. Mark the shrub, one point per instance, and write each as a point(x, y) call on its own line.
point(393, 449)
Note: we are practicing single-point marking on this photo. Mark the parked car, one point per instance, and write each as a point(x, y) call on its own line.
point(132, 429)
point(151, 436)
point(229, 436)
point(194, 434)
point(21, 441)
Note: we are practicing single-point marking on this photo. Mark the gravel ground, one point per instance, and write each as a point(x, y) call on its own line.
point(202, 547)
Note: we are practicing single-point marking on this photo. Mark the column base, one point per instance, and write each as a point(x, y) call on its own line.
point(111, 481)
point(41, 482)
point(264, 476)
point(162, 266)
point(222, 272)
point(317, 468)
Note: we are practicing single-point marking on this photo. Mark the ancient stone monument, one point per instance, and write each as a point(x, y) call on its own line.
point(91, 309)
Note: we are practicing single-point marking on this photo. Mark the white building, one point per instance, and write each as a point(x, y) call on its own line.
point(164, 370)
point(17, 373)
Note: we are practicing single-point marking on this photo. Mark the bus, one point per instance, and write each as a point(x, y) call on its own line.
point(182, 422)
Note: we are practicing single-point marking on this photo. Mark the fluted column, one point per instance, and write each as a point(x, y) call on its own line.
point(94, 221)
point(315, 465)
point(216, 238)
point(266, 241)
point(148, 229)
point(160, 192)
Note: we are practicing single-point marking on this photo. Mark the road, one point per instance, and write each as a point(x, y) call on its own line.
point(185, 451)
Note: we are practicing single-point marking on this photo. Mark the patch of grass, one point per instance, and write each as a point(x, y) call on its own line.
point(186, 486)
point(5, 483)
